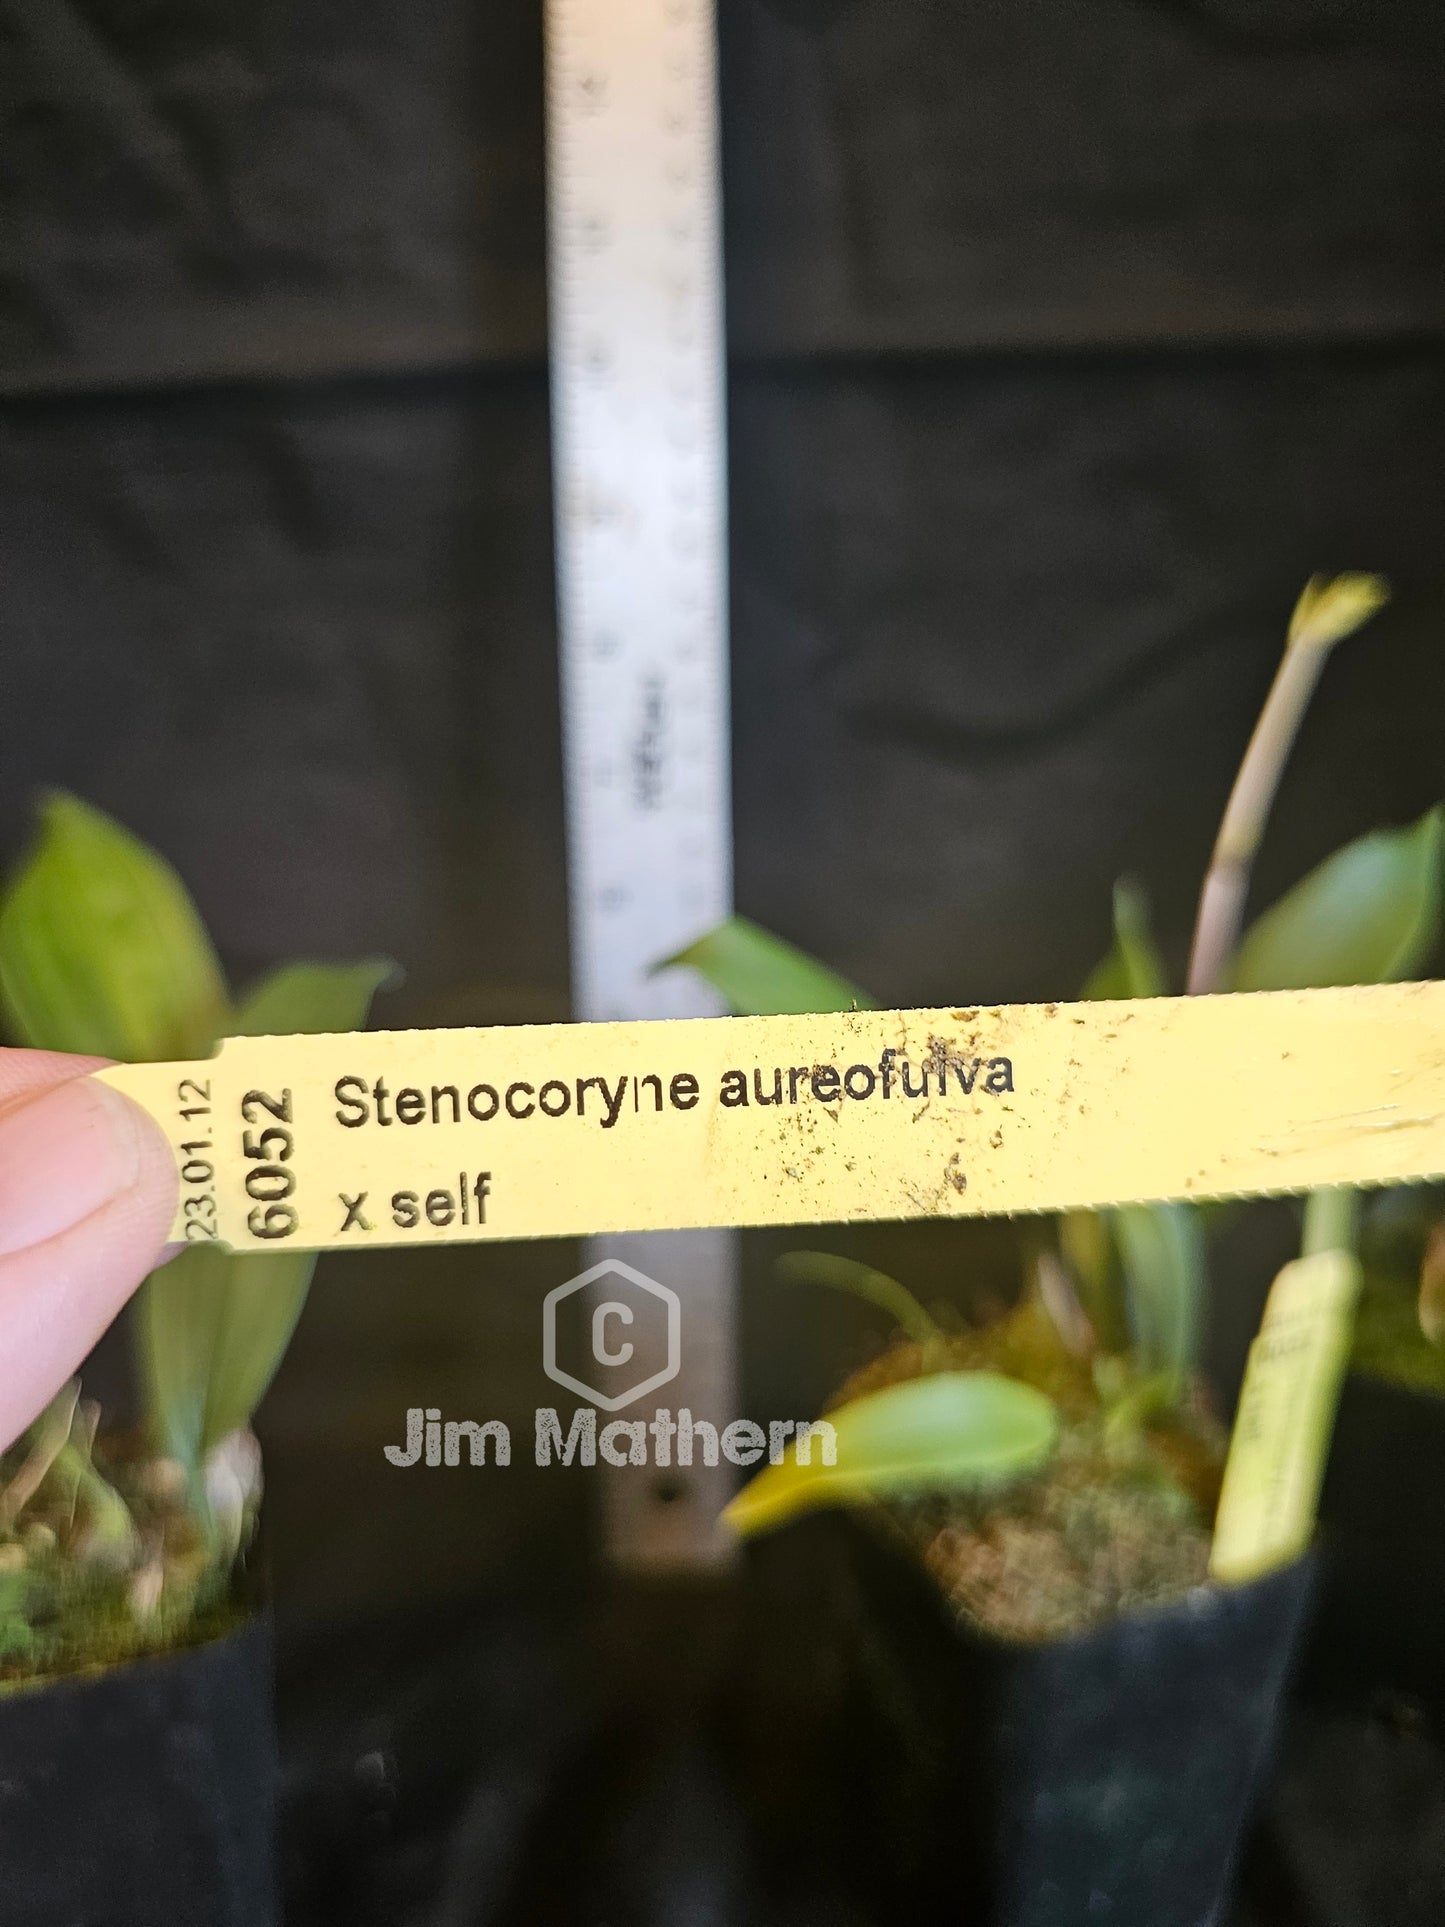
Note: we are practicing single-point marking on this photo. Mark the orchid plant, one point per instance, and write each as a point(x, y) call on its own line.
point(1124, 1289)
point(113, 1544)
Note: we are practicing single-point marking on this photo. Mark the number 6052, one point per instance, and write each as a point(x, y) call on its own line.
point(269, 1177)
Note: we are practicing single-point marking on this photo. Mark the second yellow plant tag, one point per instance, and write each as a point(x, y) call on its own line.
point(1286, 1413)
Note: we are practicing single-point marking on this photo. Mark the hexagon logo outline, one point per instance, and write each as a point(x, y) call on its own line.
point(611, 1267)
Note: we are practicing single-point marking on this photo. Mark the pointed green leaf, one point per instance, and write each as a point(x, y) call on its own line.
point(1162, 1248)
point(260, 1308)
point(861, 1281)
point(1090, 1240)
point(175, 1318)
point(305, 999)
point(212, 1328)
point(1133, 968)
point(1091, 1253)
point(310, 998)
point(102, 950)
point(760, 975)
point(946, 1432)
point(1370, 914)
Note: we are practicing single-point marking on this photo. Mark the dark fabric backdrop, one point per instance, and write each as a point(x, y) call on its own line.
point(1066, 340)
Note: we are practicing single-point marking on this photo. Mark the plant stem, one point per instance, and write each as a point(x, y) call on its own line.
point(1221, 901)
point(1332, 1221)
point(1326, 612)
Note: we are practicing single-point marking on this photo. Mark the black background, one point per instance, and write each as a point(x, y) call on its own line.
point(1065, 341)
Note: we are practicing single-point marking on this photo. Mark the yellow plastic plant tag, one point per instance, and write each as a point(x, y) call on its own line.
point(1286, 1413)
point(405, 1137)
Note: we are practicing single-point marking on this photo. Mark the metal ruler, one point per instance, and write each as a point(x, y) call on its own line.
point(640, 500)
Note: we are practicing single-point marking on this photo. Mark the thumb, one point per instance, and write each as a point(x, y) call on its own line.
point(87, 1192)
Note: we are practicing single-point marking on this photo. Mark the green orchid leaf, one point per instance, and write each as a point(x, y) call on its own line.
point(305, 999)
point(861, 1281)
point(761, 975)
point(1090, 1251)
point(1133, 967)
point(259, 1311)
point(1370, 914)
point(212, 1327)
point(945, 1432)
point(102, 950)
point(1090, 1240)
point(44, 1440)
point(176, 1318)
point(1162, 1249)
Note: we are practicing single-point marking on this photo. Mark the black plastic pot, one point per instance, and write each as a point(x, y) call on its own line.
point(1107, 1777)
point(143, 1797)
point(1382, 1518)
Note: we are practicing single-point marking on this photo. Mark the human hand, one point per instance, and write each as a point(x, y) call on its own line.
point(87, 1194)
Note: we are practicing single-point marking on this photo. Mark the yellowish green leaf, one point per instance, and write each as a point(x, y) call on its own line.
point(1162, 1249)
point(861, 1281)
point(1370, 914)
point(761, 975)
point(102, 950)
point(1133, 967)
point(944, 1432)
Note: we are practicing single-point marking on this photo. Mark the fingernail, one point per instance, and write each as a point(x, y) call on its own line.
point(64, 1152)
